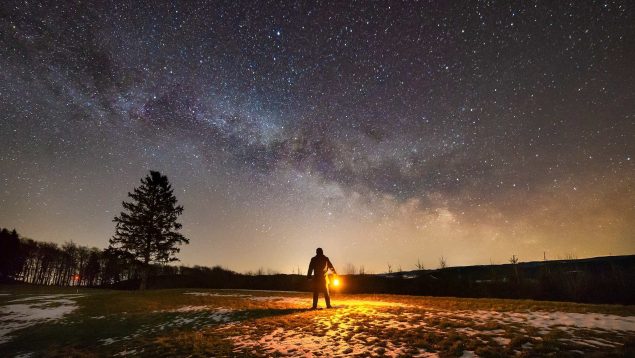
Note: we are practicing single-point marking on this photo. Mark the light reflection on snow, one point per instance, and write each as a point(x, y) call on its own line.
point(357, 327)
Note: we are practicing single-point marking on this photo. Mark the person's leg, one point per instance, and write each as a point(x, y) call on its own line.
point(327, 297)
point(315, 298)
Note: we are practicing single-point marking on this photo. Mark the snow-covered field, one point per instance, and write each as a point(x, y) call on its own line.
point(229, 323)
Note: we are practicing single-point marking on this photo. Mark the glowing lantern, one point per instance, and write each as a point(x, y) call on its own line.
point(334, 281)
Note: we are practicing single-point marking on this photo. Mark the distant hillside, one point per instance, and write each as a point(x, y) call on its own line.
point(531, 267)
point(599, 280)
point(592, 280)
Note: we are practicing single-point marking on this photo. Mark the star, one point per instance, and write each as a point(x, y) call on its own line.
point(367, 125)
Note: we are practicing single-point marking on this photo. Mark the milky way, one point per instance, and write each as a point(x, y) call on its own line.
point(384, 132)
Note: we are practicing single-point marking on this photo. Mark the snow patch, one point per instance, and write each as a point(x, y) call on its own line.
point(35, 309)
point(107, 341)
point(127, 353)
point(215, 294)
point(547, 320)
point(502, 341)
point(47, 297)
point(190, 309)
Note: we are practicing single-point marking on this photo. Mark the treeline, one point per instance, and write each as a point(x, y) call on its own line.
point(69, 264)
point(595, 280)
point(46, 263)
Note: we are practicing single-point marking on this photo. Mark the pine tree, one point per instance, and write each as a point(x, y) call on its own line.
point(146, 232)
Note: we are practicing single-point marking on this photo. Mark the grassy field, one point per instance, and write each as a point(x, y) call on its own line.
point(68, 322)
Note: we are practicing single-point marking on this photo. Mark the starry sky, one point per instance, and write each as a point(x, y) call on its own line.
point(384, 132)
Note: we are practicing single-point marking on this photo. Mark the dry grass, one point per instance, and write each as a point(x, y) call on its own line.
point(252, 323)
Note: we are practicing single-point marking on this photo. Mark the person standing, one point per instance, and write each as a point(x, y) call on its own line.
point(319, 268)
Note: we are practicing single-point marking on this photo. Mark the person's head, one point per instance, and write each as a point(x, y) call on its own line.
point(319, 251)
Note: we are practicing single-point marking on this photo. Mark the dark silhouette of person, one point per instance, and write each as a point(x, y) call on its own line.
point(319, 267)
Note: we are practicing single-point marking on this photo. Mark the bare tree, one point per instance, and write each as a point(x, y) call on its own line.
point(570, 256)
point(443, 262)
point(349, 269)
point(389, 268)
point(514, 261)
point(420, 265)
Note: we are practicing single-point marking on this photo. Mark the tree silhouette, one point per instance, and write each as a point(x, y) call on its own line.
point(514, 261)
point(10, 264)
point(420, 265)
point(146, 232)
point(443, 262)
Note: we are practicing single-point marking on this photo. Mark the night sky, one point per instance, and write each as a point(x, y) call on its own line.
point(383, 132)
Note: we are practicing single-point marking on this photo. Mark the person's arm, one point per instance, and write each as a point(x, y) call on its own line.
point(330, 265)
point(310, 269)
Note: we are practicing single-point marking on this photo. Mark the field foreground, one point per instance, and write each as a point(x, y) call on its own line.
point(267, 323)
